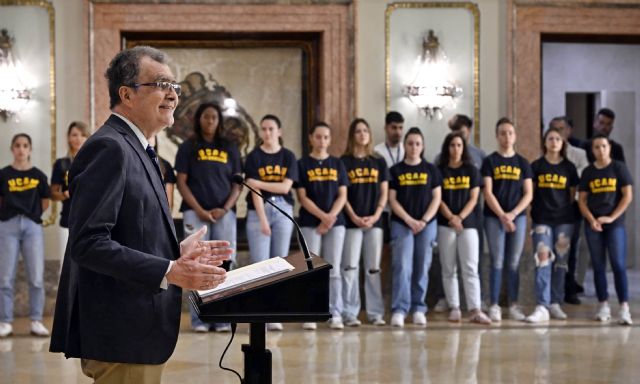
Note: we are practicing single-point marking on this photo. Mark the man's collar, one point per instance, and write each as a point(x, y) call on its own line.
point(143, 140)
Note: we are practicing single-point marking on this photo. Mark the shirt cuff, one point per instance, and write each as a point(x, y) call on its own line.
point(165, 284)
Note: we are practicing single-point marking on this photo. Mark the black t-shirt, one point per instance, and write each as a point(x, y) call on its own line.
point(60, 176)
point(365, 175)
point(457, 184)
point(321, 180)
point(271, 168)
point(553, 202)
point(209, 168)
point(508, 175)
point(414, 186)
point(22, 193)
point(168, 174)
point(604, 188)
point(617, 152)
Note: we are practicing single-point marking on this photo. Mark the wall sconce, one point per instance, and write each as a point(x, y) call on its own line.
point(14, 95)
point(431, 89)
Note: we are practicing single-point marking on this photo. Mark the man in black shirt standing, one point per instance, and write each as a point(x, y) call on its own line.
point(603, 124)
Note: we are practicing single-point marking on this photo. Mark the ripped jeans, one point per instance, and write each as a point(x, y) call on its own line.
point(551, 244)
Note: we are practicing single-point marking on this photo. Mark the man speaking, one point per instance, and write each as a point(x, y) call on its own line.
point(119, 299)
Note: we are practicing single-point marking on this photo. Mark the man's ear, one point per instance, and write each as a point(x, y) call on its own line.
point(125, 94)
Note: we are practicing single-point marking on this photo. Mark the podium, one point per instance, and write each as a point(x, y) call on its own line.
point(297, 296)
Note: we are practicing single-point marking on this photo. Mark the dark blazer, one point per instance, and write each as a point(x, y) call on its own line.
point(110, 306)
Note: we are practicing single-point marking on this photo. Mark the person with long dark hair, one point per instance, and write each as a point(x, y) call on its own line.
point(322, 192)
point(24, 195)
point(507, 192)
point(457, 222)
point(414, 197)
point(366, 199)
point(205, 164)
point(605, 194)
point(77, 134)
point(552, 214)
point(271, 169)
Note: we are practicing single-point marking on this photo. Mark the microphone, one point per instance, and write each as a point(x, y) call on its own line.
point(239, 179)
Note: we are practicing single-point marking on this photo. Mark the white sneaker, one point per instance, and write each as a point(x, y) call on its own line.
point(515, 313)
point(352, 322)
point(274, 326)
point(539, 315)
point(336, 323)
point(222, 328)
point(201, 329)
point(495, 313)
point(556, 312)
point(604, 313)
point(5, 329)
point(397, 320)
point(378, 321)
point(625, 316)
point(419, 319)
point(309, 326)
point(441, 306)
point(38, 329)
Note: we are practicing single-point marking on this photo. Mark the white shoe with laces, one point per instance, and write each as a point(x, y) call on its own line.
point(625, 316)
point(352, 322)
point(604, 313)
point(515, 313)
point(274, 326)
point(495, 313)
point(336, 323)
point(6, 329)
point(378, 321)
point(419, 319)
point(310, 326)
point(397, 320)
point(38, 329)
point(539, 315)
point(556, 312)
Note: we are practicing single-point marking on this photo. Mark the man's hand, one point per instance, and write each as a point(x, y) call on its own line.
point(198, 265)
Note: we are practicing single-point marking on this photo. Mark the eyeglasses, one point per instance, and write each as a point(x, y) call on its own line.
point(164, 85)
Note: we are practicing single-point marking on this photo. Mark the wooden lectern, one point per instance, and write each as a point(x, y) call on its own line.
point(297, 296)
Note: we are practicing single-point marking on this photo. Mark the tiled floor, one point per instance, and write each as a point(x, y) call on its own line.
point(575, 351)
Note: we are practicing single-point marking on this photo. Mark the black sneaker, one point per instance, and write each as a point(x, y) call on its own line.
point(572, 299)
point(579, 288)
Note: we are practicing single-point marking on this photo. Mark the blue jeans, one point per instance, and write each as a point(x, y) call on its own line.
point(505, 249)
point(556, 241)
point(410, 262)
point(261, 246)
point(368, 244)
point(21, 235)
point(329, 247)
point(223, 229)
point(614, 240)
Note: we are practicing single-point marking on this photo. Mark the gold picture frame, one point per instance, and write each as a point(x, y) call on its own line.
point(47, 6)
point(475, 13)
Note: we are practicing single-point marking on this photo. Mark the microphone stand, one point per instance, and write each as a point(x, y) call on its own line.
point(238, 179)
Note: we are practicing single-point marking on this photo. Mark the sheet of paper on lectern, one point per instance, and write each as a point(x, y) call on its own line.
point(250, 273)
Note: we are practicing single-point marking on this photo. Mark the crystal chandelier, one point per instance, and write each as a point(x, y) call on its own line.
point(14, 95)
point(431, 89)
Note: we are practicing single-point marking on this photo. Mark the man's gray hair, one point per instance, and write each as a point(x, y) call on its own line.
point(125, 68)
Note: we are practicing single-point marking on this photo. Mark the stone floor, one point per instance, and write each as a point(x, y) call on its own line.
point(578, 350)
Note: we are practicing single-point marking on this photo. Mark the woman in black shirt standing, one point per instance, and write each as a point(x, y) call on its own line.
point(507, 192)
point(553, 213)
point(605, 194)
point(322, 192)
point(414, 197)
point(206, 164)
point(366, 199)
point(457, 223)
point(24, 195)
point(77, 134)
